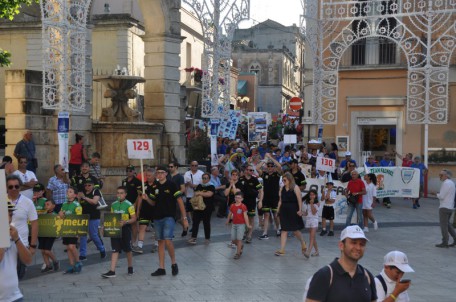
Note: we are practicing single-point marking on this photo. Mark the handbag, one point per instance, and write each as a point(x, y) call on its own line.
point(197, 203)
point(352, 199)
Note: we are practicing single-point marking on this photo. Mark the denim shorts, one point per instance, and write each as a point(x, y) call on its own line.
point(237, 231)
point(164, 228)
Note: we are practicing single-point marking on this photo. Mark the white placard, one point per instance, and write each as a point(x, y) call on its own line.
point(289, 139)
point(4, 222)
point(140, 149)
point(326, 164)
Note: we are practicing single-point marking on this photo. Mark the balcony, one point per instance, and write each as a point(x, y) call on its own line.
point(373, 53)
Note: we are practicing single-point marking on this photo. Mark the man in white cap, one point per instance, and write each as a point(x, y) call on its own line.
point(344, 280)
point(348, 159)
point(389, 283)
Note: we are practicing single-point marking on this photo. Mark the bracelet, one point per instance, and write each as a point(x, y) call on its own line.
point(32, 246)
point(393, 296)
point(15, 241)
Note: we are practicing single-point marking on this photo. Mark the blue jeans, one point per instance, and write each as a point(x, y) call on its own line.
point(359, 214)
point(164, 228)
point(94, 235)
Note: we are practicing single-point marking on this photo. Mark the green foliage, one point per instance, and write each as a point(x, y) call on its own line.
point(9, 9)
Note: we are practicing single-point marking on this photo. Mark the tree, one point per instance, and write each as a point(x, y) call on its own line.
point(9, 9)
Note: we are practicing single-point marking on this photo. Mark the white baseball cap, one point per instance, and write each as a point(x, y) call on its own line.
point(348, 153)
point(399, 260)
point(352, 232)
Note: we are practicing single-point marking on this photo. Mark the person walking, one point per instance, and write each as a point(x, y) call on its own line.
point(290, 213)
point(423, 172)
point(370, 182)
point(355, 187)
point(389, 283)
point(57, 187)
point(310, 210)
point(446, 208)
point(344, 280)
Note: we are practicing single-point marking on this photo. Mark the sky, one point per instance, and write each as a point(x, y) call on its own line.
point(286, 12)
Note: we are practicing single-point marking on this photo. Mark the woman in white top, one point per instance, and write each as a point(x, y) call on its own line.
point(370, 181)
point(310, 210)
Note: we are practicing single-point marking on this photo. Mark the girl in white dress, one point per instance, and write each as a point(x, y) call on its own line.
point(310, 210)
point(370, 181)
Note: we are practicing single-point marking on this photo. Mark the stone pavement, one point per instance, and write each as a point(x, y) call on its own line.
point(208, 272)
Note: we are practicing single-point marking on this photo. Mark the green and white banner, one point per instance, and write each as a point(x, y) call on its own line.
point(51, 225)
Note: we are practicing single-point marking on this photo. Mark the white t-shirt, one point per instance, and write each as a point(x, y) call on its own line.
point(307, 210)
point(368, 198)
point(195, 179)
point(390, 285)
point(332, 195)
point(26, 177)
point(9, 283)
point(446, 194)
point(25, 211)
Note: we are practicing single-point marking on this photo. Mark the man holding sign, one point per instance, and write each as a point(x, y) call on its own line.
point(128, 217)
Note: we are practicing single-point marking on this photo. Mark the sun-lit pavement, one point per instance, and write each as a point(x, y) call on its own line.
point(209, 272)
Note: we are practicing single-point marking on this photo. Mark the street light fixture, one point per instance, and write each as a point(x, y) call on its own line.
point(243, 101)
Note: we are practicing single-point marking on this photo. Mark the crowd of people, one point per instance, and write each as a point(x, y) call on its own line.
point(261, 184)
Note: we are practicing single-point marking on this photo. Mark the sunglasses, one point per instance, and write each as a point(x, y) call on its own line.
point(16, 187)
point(170, 167)
point(194, 165)
point(23, 162)
point(250, 170)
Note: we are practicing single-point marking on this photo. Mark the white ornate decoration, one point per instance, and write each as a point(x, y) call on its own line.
point(425, 31)
point(219, 19)
point(64, 53)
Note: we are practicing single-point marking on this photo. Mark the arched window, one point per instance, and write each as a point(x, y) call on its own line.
point(255, 68)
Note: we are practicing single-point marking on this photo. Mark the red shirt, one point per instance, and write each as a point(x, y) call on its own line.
point(356, 186)
point(238, 213)
point(76, 154)
point(406, 162)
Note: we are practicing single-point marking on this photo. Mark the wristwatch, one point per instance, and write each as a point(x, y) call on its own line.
point(33, 246)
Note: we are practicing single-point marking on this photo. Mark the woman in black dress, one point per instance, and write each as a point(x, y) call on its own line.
point(289, 209)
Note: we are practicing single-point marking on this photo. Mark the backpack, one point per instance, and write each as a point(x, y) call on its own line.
point(382, 281)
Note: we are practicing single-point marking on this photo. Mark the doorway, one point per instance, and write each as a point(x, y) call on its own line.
point(378, 139)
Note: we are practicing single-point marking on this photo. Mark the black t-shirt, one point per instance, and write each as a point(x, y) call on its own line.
point(166, 196)
point(133, 186)
point(300, 179)
point(346, 177)
point(208, 201)
point(342, 287)
point(149, 189)
point(250, 188)
point(88, 208)
point(271, 184)
point(79, 181)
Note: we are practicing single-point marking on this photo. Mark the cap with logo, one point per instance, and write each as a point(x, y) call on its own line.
point(38, 187)
point(130, 168)
point(352, 232)
point(399, 260)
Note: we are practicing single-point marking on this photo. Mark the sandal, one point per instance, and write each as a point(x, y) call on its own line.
point(303, 247)
point(279, 253)
point(242, 249)
point(306, 255)
point(237, 256)
point(315, 254)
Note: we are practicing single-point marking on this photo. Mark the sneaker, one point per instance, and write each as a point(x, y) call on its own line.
point(264, 237)
point(77, 267)
point(415, 207)
point(130, 271)
point(82, 258)
point(137, 249)
point(174, 269)
point(278, 232)
point(279, 253)
point(69, 270)
point(43, 266)
point(418, 204)
point(315, 254)
point(159, 272)
point(331, 233)
point(56, 265)
point(248, 240)
point(154, 248)
point(442, 245)
point(376, 225)
point(388, 206)
point(103, 254)
point(191, 241)
point(366, 230)
point(184, 233)
point(109, 274)
point(453, 244)
point(47, 269)
point(323, 233)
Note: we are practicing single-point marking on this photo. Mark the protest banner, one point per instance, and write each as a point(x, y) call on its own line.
point(111, 225)
point(4, 222)
point(51, 225)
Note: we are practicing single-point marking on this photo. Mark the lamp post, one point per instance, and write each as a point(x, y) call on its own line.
point(243, 101)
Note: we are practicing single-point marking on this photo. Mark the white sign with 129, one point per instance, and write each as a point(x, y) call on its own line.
point(140, 149)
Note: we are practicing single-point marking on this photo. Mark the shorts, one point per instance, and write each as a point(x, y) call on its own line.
point(124, 243)
point(146, 213)
point(45, 243)
point(237, 231)
point(269, 205)
point(311, 223)
point(188, 205)
point(69, 240)
point(328, 212)
point(164, 228)
point(251, 207)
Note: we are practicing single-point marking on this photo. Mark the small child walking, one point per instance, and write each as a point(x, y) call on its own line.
point(329, 197)
point(238, 217)
point(126, 208)
point(71, 207)
point(310, 209)
point(45, 244)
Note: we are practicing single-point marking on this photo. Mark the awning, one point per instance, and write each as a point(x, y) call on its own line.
point(242, 87)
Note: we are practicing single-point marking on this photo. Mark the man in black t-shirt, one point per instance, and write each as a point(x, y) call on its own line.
point(252, 190)
point(89, 201)
point(165, 199)
point(78, 181)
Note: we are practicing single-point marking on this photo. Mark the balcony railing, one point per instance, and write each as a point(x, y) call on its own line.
point(372, 52)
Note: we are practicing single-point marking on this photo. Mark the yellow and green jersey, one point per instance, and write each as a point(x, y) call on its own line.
point(123, 207)
point(71, 207)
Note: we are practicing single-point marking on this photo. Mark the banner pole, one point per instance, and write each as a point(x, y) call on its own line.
point(142, 176)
